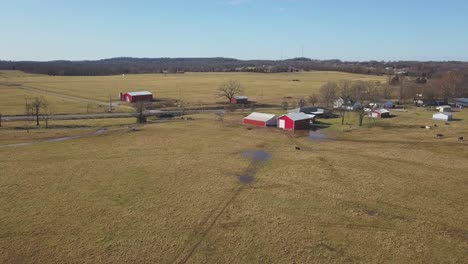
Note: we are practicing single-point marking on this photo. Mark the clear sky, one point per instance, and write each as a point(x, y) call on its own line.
point(243, 29)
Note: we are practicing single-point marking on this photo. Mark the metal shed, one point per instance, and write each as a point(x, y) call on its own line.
point(260, 119)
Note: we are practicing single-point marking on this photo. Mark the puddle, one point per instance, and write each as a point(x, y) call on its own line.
point(100, 131)
point(246, 178)
point(257, 155)
point(61, 139)
point(317, 135)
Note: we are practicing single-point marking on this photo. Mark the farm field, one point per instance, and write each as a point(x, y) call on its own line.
point(91, 94)
point(206, 191)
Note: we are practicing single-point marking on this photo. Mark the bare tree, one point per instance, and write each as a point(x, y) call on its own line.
point(285, 105)
point(140, 109)
point(47, 111)
point(0, 119)
point(450, 84)
point(313, 99)
point(328, 93)
point(229, 89)
point(301, 102)
point(35, 107)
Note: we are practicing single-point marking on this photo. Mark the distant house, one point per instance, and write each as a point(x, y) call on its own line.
point(294, 121)
point(442, 116)
point(132, 97)
point(444, 108)
point(346, 103)
point(387, 104)
point(260, 119)
point(313, 110)
point(379, 113)
point(239, 99)
point(430, 102)
point(461, 102)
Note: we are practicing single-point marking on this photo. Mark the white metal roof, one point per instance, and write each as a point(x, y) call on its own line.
point(298, 116)
point(442, 114)
point(241, 97)
point(381, 111)
point(260, 116)
point(139, 93)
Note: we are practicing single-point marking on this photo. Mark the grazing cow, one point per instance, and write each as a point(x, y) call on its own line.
point(298, 148)
point(447, 124)
point(439, 136)
point(435, 125)
point(460, 139)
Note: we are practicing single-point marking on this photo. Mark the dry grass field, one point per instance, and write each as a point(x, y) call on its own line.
point(188, 192)
point(91, 94)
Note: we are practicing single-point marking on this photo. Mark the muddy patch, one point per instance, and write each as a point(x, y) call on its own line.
point(256, 155)
point(246, 179)
point(317, 135)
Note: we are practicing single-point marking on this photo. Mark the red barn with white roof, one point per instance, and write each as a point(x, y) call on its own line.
point(260, 119)
point(294, 121)
point(132, 97)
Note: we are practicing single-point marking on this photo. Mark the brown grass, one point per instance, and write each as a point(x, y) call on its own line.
point(170, 194)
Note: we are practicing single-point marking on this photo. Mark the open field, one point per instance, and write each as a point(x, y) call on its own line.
point(91, 94)
point(187, 192)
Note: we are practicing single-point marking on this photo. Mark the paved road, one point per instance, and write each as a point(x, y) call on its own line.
point(118, 115)
point(105, 115)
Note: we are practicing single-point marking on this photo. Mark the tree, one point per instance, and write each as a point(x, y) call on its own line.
point(301, 102)
point(229, 89)
point(47, 111)
point(285, 105)
point(450, 84)
point(328, 92)
point(140, 108)
point(313, 99)
point(35, 107)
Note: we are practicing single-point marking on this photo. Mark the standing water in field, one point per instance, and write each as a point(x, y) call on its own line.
point(257, 155)
point(317, 135)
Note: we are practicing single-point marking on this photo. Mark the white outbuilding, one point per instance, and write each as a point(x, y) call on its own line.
point(444, 108)
point(445, 116)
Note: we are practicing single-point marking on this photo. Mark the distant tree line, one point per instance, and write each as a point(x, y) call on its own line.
point(124, 65)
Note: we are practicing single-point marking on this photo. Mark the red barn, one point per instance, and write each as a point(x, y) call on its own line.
point(260, 119)
point(132, 97)
point(239, 99)
point(294, 121)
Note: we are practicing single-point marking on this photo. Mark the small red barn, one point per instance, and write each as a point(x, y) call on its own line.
point(239, 99)
point(132, 97)
point(294, 121)
point(260, 119)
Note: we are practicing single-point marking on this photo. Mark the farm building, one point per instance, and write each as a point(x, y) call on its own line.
point(387, 104)
point(379, 113)
point(346, 103)
point(444, 108)
point(132, 97)
point(430, 102)
point(317, 111)
point(442, 116)
point(461, 102)
point(260, 119)
point(294, 121)
point(239, 99)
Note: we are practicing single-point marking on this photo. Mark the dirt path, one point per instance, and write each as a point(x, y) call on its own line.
point(67, 97)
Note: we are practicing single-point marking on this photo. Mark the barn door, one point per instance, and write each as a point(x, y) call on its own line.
point(281, 123)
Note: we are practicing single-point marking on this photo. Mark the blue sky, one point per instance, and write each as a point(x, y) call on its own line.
point(244, 29)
